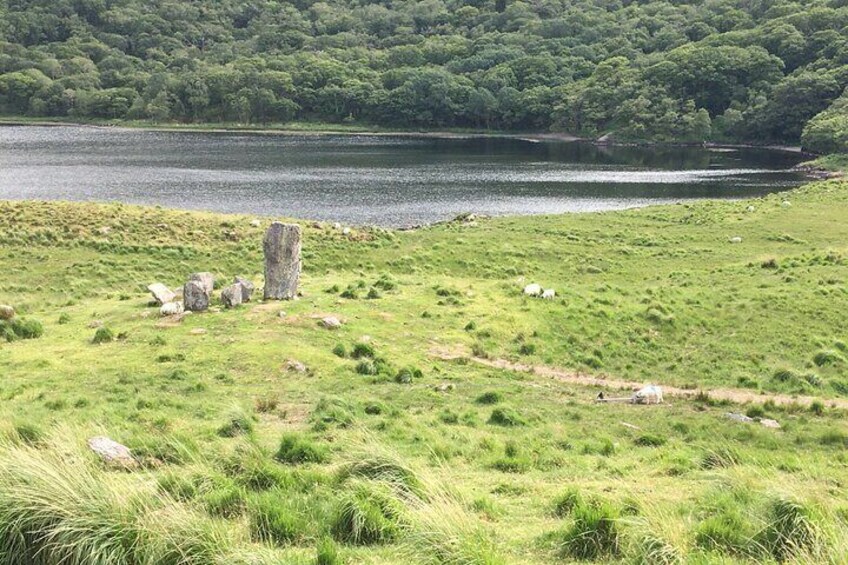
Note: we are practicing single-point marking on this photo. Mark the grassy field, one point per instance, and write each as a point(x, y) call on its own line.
point(397, 443)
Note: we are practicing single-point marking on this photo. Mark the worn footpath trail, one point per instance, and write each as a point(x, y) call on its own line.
point(738, 396)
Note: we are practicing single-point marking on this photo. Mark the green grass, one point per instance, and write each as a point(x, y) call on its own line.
point(369, 457)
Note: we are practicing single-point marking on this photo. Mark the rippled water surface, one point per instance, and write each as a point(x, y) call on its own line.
point(370, 179)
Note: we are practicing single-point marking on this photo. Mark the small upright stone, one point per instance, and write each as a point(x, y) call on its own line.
point(195, 297)
point(6, 312)
point(171, 309)
point(232, 295)
point(282, 261)
point(161, 293)
point(206, 280)
point(247, 288)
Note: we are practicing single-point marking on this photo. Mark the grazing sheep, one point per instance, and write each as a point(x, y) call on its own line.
point(533, 290)
point(549, 294)
point(650, 394)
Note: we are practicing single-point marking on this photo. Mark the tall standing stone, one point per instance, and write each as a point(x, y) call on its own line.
point(282, 261)
point(195, 297)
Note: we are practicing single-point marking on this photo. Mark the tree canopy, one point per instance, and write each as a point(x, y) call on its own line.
point(742, 70)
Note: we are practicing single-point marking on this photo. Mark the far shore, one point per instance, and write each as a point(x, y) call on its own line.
point(322, 128)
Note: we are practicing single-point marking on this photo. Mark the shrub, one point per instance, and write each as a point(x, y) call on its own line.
point(367, 514)
point(332, 411)
point(405, 375)
point(272, 520)
point(817, 407)
point(725, 531)
point(385, 468)
point(103, 335)
point(238, 423)
point(594, 531)
point(527, 349)
point(470, 326)
point(340, 351)
point(373, 294)
point(13, 330)
point(506, 417)
point(266, 404)
point(755, 412)
point(649, 440)
point(489, 398)
point(785, 376)
point(296, 449)
point(719, 458)
point(64, 318)
point(29, 434)
point(362, 350)
point(827, 357)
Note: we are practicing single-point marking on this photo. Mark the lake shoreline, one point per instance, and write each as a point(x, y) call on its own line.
point(320, 128)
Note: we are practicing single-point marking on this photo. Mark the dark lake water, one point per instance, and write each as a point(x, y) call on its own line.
point(392, 181)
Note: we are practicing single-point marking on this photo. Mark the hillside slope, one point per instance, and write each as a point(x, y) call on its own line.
point(443, 460)
point(666, 71)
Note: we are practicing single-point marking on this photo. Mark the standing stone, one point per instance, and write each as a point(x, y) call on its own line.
point(282, 261)
point(232, 295)
point(161, 293)
point(207, 281)
point(195, 297)
point(171, 309)
point(247, 288)
point(6, 312)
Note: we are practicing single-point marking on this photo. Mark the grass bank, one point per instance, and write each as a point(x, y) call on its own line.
point(389, 444)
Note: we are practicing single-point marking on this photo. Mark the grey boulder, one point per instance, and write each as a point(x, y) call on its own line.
point(232, 295)
point(282, 247)
point(195, 296)
point(161, 293)
point(207, 281)
point(247, 288)
point(6, 312)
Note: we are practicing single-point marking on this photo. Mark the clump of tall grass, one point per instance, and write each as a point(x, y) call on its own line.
point(296, 449)
point(58, 506)
point(238, 423)
point(368, 513)
point(791, 531)
point(594, 531)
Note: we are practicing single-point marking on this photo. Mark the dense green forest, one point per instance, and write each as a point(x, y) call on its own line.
point(741, 70)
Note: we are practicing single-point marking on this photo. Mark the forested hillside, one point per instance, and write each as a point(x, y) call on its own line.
point(744, 70)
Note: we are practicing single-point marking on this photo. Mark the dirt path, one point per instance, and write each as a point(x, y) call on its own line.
point(739, 396)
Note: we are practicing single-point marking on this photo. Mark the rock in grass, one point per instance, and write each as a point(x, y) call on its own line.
point(161, 293)
point(282, 249)
point(171, 309)
point(331, 323)
point(6, 312)
point(195, 297)
point(736, 417)
point(736, 239)
point(112, 452)
point(294, 366)
point(247, 288)
point(206, 280)
point(533, 290)
point(232, 296)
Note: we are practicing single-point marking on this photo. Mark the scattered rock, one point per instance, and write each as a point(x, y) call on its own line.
point(736, 239)
point(256, 223)
point(171, 309)
point(331, 323)
point(145, 314)
point(195, 297)
point(247, 288)
point(282, 248)
point(774, 424)
point(293, 366)
point(206, 280)
point(750, 209)
point(161, 293)
point(282, 313)
point(549, 294)
point(198, 331)
point(105, 230)
point(533, 290)
point(444, 387)
point(337, 226)
point(6, 312)
point(232, 296)
point(346, 231)
point(786, 204)
point(739, 417)
point(94, 324)
point(112, 452)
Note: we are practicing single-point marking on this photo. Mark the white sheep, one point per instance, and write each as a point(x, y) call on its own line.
point(650, 394)
point(533, 290)
point(549, 294)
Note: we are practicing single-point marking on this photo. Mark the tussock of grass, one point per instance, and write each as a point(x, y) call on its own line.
point(296, 449)
point(594, 531)
point(368, 513)
point(59, 506)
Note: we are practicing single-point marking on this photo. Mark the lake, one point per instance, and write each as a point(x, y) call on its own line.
point(369, 179)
